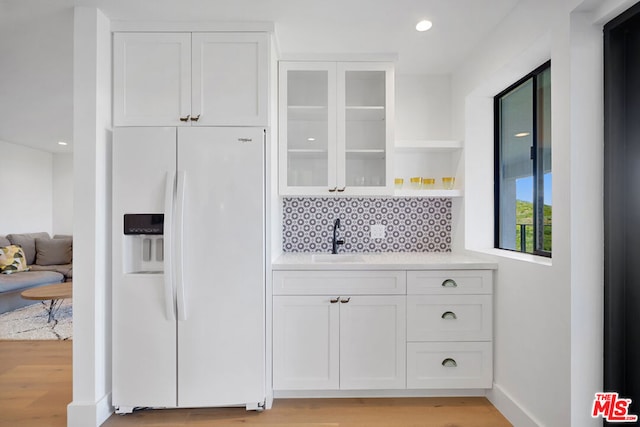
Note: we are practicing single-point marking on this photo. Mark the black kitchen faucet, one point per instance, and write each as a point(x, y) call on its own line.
point(334, 241)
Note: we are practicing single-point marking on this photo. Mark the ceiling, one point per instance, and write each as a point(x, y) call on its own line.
point(36, 43)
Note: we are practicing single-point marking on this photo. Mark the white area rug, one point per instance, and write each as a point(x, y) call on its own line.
point(30, 323)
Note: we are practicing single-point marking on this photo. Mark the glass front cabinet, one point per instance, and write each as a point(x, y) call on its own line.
point(336, 128)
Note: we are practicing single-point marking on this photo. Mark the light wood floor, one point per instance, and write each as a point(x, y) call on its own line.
point(35, 383)
point(35, 388)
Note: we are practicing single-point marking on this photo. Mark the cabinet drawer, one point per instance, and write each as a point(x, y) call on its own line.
point(450, 282)
point(316, 282)
point(449, 365)
point(449, 317)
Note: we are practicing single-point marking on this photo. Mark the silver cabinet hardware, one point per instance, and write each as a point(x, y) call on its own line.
point(340, 190)
point(345, 300)
point(185, 119)
point(195, 119)
point(331, 190)
point(449, 315)
point(334, 300)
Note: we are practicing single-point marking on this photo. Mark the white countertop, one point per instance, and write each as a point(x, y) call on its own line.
point(384, 261)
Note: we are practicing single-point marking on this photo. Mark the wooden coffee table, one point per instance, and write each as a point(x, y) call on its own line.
point(56, 292)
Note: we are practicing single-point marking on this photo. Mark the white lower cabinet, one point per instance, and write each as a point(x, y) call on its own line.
point(449, 329)
point(372, 342)
point(444, 365)
point(338, 342)
point(417, 330)
point(306, 343)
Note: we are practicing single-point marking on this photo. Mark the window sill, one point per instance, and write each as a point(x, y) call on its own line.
point(534, 259)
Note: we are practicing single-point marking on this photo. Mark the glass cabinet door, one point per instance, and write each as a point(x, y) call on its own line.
point(365, 93)
point(335, 128)
point(308, 125)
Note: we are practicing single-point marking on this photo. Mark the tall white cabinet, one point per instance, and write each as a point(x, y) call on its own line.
point(336, 128)
point(165, 84)
point(190, 79)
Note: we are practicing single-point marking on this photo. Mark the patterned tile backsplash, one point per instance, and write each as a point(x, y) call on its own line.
point(411, 224)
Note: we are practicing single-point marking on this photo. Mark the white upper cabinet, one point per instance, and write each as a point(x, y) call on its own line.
point(151, 78)
point(229, 86)
point(336, 128)
point(190, 79)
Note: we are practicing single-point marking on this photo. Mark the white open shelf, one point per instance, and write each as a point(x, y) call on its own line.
point(428, 145)
point(427, 193)
point(427, 159)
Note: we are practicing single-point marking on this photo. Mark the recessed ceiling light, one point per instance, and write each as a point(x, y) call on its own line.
point(62, 143)
point(311, 139)
point(424, 25)
point(521, 134)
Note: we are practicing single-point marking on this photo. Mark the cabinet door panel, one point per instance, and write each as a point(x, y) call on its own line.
point(305, 343)
point(307, 125)
point(449, 365)
point(151, 79)
point(230, 79)
point(327, 282)
point(449, 317)
point(365, 127)
point(450, 282)
point(372, 342)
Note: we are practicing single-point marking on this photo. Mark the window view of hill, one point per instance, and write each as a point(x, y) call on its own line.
point(524, 218)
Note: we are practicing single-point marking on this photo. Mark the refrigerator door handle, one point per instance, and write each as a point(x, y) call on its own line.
point(182, 308)
point(169, 298)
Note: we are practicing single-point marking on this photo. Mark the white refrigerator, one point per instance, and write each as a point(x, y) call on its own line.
point(189, 290)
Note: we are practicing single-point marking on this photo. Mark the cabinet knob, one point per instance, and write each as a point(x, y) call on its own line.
point(195, 119)
point(449, 283)
point(449, 315)
point(340, 190)
point(331, 190)
point(185, 119)
point(449, 363)
point(334, 300)
point(345, 300)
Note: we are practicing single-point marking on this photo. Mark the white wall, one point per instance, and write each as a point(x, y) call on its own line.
point(26, 200)
point(423, 107)
point(92, 231)
point(37, 75)
point(548, 313)
point(62, 193)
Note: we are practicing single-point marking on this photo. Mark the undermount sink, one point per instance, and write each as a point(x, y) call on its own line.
point(337, 258)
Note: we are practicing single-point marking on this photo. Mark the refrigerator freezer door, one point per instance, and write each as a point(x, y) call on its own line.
point(221, 343)
point(144, 336)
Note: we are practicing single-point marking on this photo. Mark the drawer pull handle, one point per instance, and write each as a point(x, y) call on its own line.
point(345, 300)
point(334, 300)
point(449, 363)
point(449, 283)
point(332, 190)
point(185, 119)
point(449, 315)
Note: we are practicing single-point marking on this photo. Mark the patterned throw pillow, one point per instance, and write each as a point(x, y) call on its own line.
point(12, 260)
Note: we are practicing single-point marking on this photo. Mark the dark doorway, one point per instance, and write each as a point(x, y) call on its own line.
point(622, 206)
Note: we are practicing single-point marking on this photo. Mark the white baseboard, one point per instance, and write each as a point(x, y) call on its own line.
point(508, 407)
point(85, 414)
point(305, 394)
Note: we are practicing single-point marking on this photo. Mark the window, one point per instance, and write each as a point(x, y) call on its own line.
point(523, 164)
